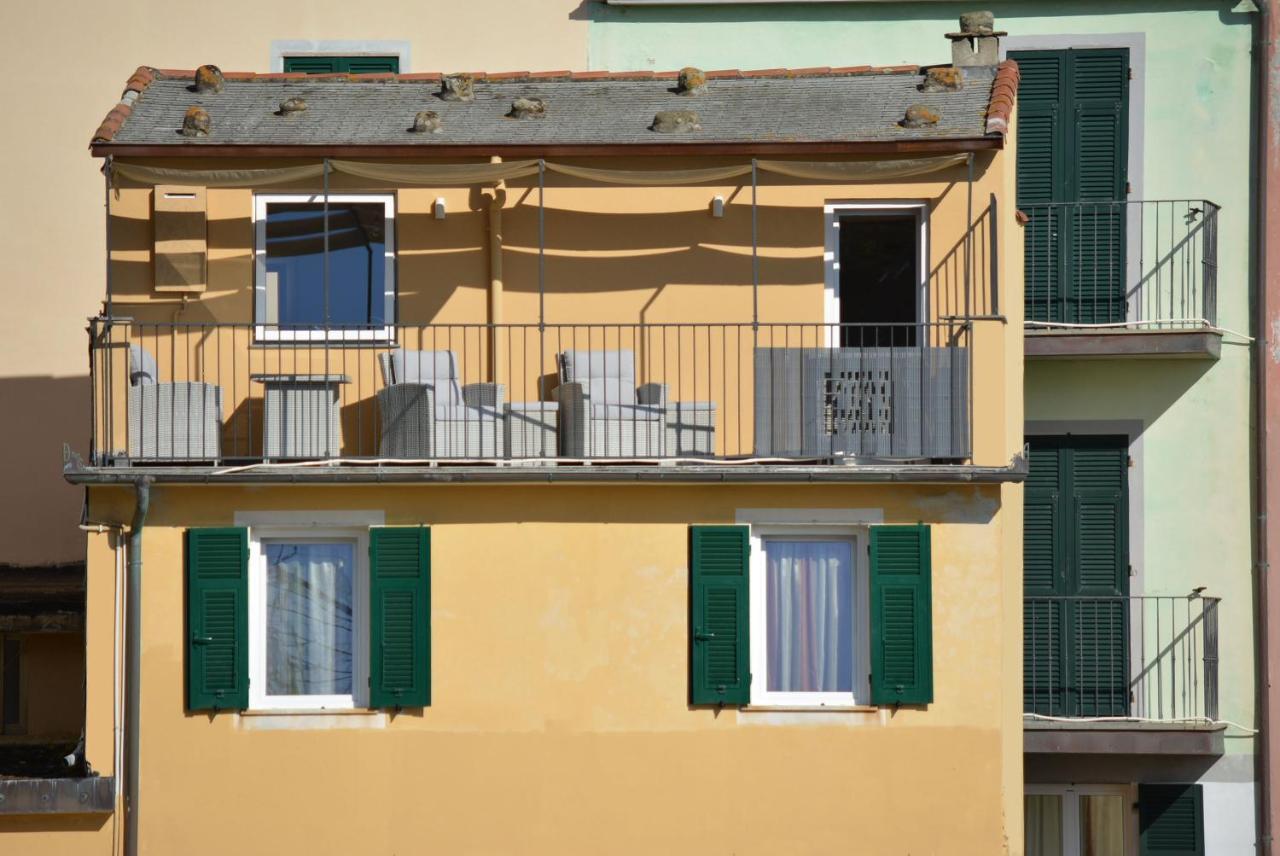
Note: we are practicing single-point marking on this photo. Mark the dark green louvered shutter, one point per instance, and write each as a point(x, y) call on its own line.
point(1171, 820)
point(1043, 561)
point(901, 615)
point(1041, 178)
point(1072, 148)
point(1100, 633)
point(217, 619)
point(719, 628)
point(400, 616)
point(342, 64)
point(1076, 577)
point(1096, 234)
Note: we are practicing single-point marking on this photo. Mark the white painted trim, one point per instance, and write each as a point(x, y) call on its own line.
point(761, 696)
point(832, 212)
point(1071, 845)
point(260, 332)
point(805, 516)
point(318, 526)
point(281, 48)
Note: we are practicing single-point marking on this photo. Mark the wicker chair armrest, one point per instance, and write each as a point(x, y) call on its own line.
point(484, 394)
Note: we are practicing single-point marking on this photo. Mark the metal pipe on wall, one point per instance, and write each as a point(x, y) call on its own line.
point(1266, 369)
point(133, 664)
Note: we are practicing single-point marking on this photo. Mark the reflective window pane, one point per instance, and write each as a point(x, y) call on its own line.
point(810, 604)
point(1043, 824)
point(309, 617)
point(295, 292)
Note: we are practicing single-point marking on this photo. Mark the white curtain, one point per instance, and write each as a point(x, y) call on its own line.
point(1102, 825)
point(1043, 819)
point(309, 617)
point(810, 616)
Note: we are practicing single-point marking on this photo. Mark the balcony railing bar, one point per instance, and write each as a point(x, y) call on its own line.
point(1159, 652)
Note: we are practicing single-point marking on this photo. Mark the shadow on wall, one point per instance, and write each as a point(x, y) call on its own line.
point(40, 514)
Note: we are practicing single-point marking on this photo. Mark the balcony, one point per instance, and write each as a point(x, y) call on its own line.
point(1120, 279)
point(1121, 676)
point(226, 395)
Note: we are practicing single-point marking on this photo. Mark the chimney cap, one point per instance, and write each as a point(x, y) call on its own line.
point(976, 25)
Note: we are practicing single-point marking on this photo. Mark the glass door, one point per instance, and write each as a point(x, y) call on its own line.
point(1078, 821)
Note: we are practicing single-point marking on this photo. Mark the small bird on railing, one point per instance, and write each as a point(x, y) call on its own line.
point(1195, 592)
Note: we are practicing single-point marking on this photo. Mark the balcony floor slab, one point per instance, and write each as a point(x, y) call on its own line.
point(1076, 344)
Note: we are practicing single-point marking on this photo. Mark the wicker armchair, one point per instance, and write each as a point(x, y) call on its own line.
point(426, 413)
point(172, 421)
point(604, 414)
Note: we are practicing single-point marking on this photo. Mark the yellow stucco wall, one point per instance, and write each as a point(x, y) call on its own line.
point(615, 256)
point(560, 720)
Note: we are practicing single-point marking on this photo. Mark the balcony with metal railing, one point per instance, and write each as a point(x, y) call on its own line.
point(1119, 278)
point(225, 395)
point(1134, 673)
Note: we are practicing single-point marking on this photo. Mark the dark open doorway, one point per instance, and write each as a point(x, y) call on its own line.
point(879, 278)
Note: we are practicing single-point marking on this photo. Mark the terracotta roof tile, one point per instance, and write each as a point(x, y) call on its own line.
point(1004, 92)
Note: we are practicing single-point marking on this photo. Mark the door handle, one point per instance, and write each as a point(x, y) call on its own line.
point(700, 636)
point(201, 640)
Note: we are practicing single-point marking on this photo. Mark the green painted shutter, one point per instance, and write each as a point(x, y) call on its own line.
point(399, 617)
point(217, 619)
point(719, 559)
point(1072, 148)
point(1076, 577)
point(1096, 235)
point(1043, 561)
point(1041, 178)
point(342, 64)
point(1098, 550)
point(1171, 820)
point(901, 615)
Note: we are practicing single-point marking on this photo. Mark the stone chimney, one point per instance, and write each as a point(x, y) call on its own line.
point(977, 45)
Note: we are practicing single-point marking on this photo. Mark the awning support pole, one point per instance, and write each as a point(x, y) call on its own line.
point(106, 172)
point(968, 241)
point(755, 252)
point(326, 245)
point(542, 274)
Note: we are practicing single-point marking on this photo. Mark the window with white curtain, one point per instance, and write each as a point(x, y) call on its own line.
point(809, 617)
point(307, 618)
point(1079, 820)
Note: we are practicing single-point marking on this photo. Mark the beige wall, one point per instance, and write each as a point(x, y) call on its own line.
point(560, 720)
point(70, 63)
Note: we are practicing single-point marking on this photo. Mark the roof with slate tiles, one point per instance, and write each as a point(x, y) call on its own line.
point(854, 105)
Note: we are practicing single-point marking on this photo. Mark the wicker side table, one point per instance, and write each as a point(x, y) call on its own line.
point(300, 416)
point(532, 428)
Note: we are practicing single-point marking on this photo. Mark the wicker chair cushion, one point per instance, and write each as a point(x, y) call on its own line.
point(609, 376)
point(433, 368)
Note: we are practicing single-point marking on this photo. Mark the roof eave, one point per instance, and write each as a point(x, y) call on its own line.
point(863, 147)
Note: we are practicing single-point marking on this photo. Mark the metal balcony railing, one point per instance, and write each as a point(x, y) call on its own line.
point(1151, 263)
point(1141, 657)
point(202, 393)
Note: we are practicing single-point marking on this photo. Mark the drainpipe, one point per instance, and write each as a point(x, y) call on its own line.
point(133, 664)
point(1266, 369)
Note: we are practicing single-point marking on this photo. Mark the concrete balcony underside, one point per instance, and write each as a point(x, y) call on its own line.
point(1118, 752)
point(1188, 344)
point(90, 795)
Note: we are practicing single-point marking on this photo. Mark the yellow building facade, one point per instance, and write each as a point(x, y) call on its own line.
point(735, 415)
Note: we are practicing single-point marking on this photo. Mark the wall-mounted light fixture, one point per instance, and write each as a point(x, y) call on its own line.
point(438, 208)
point(717, 206)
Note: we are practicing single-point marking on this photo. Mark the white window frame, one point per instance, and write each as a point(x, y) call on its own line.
point(832, 212)
point(358, 535)
point(262, 332)
point(1071, 811)
point(858, 537)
